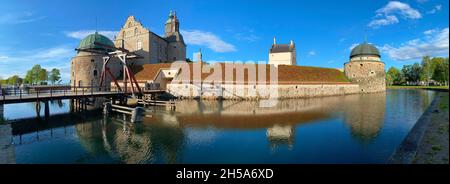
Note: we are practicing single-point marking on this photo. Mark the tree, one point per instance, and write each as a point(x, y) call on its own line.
point(28, 78)
point(14, 80)
point(54, 76)
point(411, 73)
point(440, 73)
point(43, 76)
point(393, 76)
point(427, 69)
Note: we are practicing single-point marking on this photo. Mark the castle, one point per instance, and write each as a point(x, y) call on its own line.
point(363, 73)
point(133, 36)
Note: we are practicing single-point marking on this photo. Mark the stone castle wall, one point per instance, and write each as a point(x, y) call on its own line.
point(230, 91)
point(370, 75)
point(86, 69)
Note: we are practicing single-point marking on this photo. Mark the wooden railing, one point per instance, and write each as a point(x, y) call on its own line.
point(27, 92)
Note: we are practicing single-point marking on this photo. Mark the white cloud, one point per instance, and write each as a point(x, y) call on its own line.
point(83, 33)
point(312, 53)
point(435, 9)
point(435, 43)
point(430, 32)
point(245, 37)
point(388, 14)
point(19, 18)
point(208, 39)
point(56, 57)
point(3, 57)
point(388, 20)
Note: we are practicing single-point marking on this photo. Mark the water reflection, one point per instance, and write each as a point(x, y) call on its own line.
point(225, 131)
point(130, 143)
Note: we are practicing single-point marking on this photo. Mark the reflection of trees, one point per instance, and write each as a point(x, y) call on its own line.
point(131, 143)
point(365, 114)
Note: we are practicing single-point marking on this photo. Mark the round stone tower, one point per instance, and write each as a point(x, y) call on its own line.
point(86, 66)
point(366, 68)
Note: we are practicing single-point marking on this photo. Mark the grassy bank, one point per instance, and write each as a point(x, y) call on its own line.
point(417, 87)
point(434, 148)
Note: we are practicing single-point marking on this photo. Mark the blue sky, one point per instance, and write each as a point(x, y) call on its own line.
point(46, 32)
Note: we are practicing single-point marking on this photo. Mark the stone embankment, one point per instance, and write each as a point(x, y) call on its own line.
point(428, 141)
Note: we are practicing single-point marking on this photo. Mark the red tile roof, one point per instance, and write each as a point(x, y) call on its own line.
point(286, 74)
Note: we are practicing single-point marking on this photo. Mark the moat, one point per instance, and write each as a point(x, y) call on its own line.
point(343, 129)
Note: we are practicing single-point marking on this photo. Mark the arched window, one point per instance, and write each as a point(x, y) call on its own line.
point(95, 73)
point(136, 31)
point(80, 83)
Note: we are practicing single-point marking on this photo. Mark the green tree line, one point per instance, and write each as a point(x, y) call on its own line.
point(36, 75)
point(433, 71)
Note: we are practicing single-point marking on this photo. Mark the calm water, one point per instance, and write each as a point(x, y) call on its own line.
point(345, 129)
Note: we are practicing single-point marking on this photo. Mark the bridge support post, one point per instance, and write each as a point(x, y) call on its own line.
point(71, 105)
point(137, 114)
point(38, 109)
point(85, 101)
point(107, 108)
point(2, 118)
point(47, 109)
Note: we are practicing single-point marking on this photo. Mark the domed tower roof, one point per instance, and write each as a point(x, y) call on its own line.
point(365, 49)
point(89, 42)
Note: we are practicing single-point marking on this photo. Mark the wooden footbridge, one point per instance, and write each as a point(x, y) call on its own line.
point(79, 96)
point(41, 94)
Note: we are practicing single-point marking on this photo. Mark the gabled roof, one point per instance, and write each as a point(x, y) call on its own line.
point(276, 48)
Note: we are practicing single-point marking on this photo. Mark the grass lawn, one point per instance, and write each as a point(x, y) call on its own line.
point(417, 87)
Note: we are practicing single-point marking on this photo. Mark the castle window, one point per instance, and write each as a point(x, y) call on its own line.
point(361, 64)
point(174, 46)
point(80, 83)
point(139, 45)
point(92, 60)
point(130, 24)
point(123, 34)
point(95, 73)
point(136, 32)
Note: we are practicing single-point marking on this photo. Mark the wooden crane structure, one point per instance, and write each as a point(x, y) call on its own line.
point(124, 56)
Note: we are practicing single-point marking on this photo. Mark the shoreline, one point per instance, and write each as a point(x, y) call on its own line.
point(415, 146)
point(437, 88)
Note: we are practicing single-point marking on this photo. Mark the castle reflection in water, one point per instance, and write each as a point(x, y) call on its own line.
point(164, 137)
point(164, 132)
